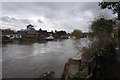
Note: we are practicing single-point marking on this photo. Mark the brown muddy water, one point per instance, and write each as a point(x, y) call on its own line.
point(30, 60)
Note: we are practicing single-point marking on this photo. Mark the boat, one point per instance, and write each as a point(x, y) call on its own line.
point(50, 38)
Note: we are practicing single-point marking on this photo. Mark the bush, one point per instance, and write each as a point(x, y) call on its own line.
point(81, 74)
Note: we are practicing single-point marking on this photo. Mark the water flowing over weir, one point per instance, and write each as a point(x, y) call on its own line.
point(32, 60)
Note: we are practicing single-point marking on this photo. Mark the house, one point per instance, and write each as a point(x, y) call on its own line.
point(61, 35)
point(22, 32)
point(8, 33)
point(29, 32)
point(43, 33)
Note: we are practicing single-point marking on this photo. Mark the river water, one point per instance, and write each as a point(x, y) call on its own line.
point(30, 60)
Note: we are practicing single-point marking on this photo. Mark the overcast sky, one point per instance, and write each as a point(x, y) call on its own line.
point(51, 15)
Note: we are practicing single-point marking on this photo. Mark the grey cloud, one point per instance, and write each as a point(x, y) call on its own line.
point(5, 19)
point(13, 20)
point(40, 21)
point(58, 15)
point(13, 23)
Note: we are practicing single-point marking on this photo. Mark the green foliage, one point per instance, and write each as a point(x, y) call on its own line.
point(90, 35)
point(101, 33)
point(114, 6)
point(61, 33)
point(81, 74)
point(103, 44)
point(30, 27)
point(106, 50)
point(77, 33)
point(102, 27)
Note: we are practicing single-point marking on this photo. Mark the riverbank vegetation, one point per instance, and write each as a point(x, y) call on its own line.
point(101, 54)
point(102, 30)
point(77, 33)
point(102, 45)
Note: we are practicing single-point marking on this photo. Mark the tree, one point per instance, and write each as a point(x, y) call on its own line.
point(30, 27)
point(61, 33)
point(77, 33)
point(114, 6)
point(102, 28)
point(90, 35)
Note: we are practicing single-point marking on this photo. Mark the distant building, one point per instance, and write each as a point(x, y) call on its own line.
point(29, 32)
point(61, 35)
point(43, 33)
point(11, 34)
point(22, 32)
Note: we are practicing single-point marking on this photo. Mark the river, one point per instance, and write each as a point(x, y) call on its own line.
point(30, 60)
